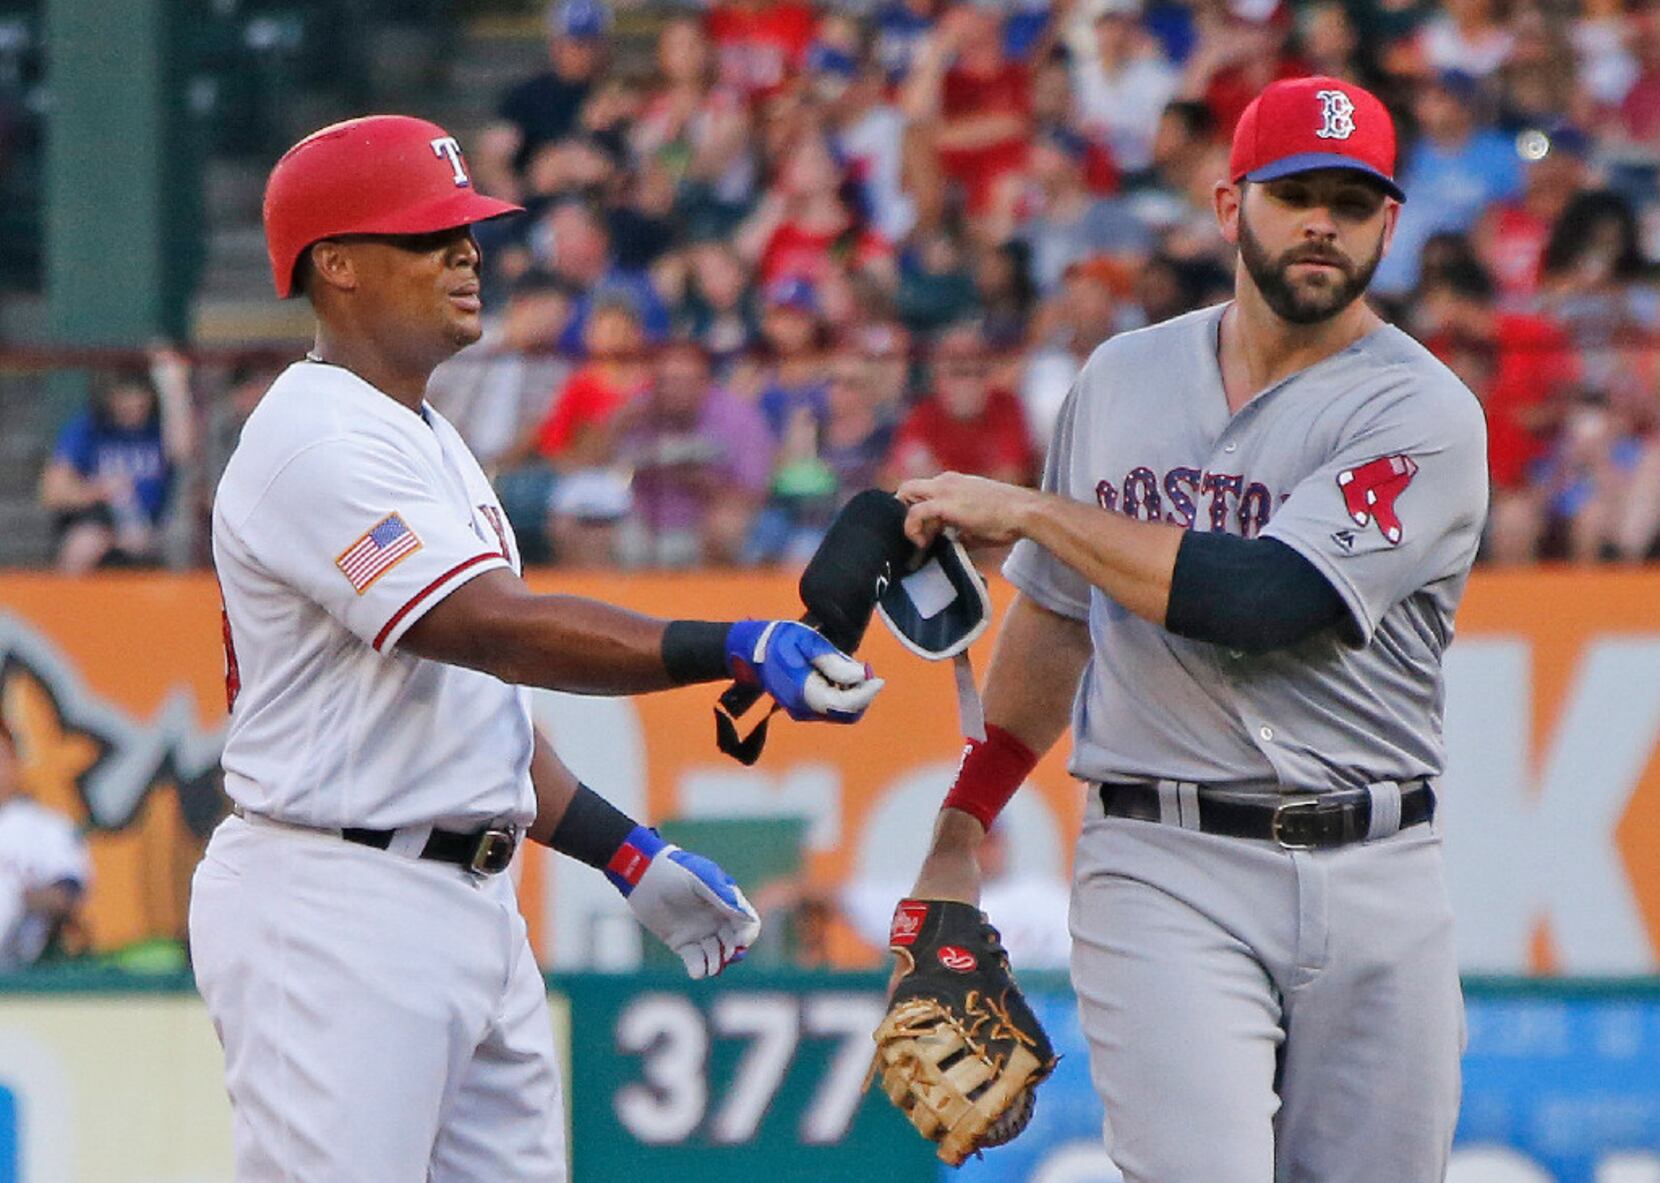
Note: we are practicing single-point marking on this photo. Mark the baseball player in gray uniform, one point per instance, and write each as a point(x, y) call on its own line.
point(1240, 575)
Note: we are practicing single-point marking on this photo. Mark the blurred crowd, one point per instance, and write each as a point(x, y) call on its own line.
point(775, 252)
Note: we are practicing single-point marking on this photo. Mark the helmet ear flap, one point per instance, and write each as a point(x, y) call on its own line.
point(305, 271)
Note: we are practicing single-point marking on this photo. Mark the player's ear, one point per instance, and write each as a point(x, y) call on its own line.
point(332, 266)
point(1228, 198)
point(1391, 215)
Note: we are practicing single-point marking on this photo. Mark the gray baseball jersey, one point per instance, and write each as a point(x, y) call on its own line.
point(1370, 463)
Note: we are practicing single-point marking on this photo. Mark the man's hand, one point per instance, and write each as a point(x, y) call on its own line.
point(983, 512)
point(686, 901)
point(807, 675)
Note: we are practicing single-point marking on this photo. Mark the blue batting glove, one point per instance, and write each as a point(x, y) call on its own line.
point(807, 675)
point(686, 901)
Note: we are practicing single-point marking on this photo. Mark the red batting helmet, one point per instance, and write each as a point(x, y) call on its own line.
point(381, 174)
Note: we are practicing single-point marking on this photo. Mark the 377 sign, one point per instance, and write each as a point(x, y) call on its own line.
point(731, 1082)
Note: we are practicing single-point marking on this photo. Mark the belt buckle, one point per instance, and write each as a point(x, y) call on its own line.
point(1309, 806)
point(494, 851)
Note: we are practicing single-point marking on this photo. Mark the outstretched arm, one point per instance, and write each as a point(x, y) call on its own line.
point(496, 624)
point(1035, 666)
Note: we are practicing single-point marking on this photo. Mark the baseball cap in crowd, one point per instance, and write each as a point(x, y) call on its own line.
point(832, 68)
point(1299, 124)
point(794, 293)
point(580, 20)
point(824, 58)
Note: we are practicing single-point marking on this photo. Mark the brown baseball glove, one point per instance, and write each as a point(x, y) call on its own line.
point(959, 1052)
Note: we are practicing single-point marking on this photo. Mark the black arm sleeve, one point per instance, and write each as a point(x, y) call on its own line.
point(1252, 594)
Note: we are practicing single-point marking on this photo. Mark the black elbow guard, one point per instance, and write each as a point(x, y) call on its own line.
point(1251, 594)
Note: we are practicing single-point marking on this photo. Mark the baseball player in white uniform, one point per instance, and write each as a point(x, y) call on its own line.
point(1240, 576)
point(361, 954)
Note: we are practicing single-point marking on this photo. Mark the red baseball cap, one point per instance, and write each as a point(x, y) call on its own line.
point(380, 174)
point(1299, 124)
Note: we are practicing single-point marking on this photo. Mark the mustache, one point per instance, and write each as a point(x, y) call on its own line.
point(1317, 255)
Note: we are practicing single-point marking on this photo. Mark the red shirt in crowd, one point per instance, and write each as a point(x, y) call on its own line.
point(995, 443)
point(1640, 109)
point(794, 251)
point(1534, 361)
point(966, 95)
point(1515, 241)
point(1231, 90)
point(760, 46)
point(590, 398)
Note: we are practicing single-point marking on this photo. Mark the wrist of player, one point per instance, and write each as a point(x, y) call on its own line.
point(713, 650)
point(951, 873)
point(596, 832)
point(696, 651)
point(992, 769)
point(683, 899)
point(593, 831)
point(1027, 510)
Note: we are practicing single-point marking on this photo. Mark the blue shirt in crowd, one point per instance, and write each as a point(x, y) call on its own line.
point(634, 287)
point(1446, 190)
point(779, 404)
point(96, 449)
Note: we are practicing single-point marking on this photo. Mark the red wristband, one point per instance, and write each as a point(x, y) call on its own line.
point(992, 769)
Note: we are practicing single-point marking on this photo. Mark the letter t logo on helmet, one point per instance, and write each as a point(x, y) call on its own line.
point(381, 174)
point(446, 147)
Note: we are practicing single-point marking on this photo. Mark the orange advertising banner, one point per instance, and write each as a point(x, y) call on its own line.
point(115, 688)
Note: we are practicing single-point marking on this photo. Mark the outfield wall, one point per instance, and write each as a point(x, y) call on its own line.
point(756, 1076)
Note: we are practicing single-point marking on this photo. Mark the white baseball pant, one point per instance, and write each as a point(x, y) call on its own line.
point(382, 1017)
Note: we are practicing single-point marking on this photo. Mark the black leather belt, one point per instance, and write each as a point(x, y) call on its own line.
point(1304, 821)
point(487, 851)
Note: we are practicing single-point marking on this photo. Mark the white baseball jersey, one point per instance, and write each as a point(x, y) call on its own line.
point(343, 517)
point(39, 847)
point(1371, 464)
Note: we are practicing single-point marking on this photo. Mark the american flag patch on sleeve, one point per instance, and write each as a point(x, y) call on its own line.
point(388, 542)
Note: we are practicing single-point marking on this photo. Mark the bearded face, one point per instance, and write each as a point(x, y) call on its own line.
point(1310, 282)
